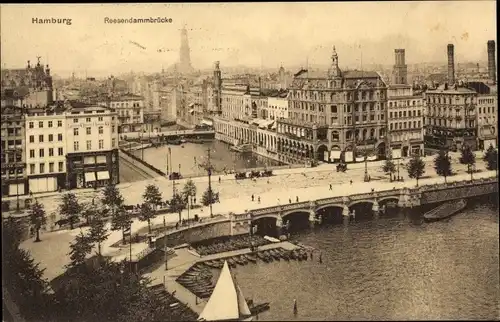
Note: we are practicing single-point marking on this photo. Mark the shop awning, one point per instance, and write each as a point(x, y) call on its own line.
point(396, 153)
point(334, 155)
point(207, 122)
point(103, 175)
point(348, 156)
point(372, 158)
point(360, 159)
point(89, 176)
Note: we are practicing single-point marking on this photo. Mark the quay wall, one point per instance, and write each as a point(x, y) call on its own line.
point(195, 233)
point(143, 162)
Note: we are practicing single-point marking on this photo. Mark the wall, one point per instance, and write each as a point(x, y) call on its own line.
point(454, 192)
point(195, 234)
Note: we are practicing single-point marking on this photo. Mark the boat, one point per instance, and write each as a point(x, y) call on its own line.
point(275, 255)
point(445, 210)
point(239, 261)
point(227, 301)
point(292, 255)
point(243, 259)
point(251, 258)
point(259, 308)
point(261, 255)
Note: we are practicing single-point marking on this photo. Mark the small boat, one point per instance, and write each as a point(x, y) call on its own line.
point(243, 259)
point(261, 256)
point(259, 308)
point(239, 261)
point(210, 264)
point(251, 258)
point(292, 255)
point(275, 255)
point(445, 210)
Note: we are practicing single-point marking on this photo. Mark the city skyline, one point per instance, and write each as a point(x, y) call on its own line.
point(245, 35)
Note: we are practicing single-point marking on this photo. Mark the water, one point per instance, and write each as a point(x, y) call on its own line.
point(393, 268)
point(222, 158)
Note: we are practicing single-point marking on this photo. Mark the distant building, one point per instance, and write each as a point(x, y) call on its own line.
point(487, 114)
point(277, 106)
point(130, 110)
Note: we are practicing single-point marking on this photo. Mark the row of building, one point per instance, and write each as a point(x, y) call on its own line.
point(50, 145)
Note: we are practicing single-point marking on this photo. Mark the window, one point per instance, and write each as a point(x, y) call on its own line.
point(50, 123)
point(40, 138)
point(75, 120)
point(40, 124)
point(61, 167)
point(42, 167)
point(88, 130)
point(51, 152)
point(41, 153)
point(32, 153)
point(87, 120)
point(59, 123)
point(32, 138)
point(75, 132)
point(51, 137)
point(101, 130)
point(51, 167)
point(113, 142)
point(60, 151)
point(101, 144)
point(75, 145)
point(31, 125)
point(32, 168)
point(59, 137)
point(112, 129)
point(89, 145)
point(100, 118)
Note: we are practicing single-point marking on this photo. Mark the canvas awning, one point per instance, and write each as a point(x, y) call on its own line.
point(334, 155)
point(396, 153)
point(89, 176)
point(273, 127)
point(227, 301)
point(349, 156)
point(103, 175)
point(207, 122)
point(372, 158)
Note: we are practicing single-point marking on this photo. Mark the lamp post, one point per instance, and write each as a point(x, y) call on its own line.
point(18, 209)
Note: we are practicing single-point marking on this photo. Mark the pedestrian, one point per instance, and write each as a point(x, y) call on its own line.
point(176, 225)
point(351, 182)
point(194, 200)
point(267, 181)
point(289, 200)
point(258, 199)
point(320, 258)
point(373, 190)
point(253, 197)
point(219, 179)
point(297, 198)
point(331, 187)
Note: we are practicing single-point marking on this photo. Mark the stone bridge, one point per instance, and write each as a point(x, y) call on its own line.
point(405, 197)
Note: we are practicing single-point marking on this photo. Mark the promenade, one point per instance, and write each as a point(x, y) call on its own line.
point(235, 197)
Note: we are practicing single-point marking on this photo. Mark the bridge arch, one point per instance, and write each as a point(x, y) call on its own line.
point(385, 199)
point(329, 206)
point(290, 212)
point(361, 201)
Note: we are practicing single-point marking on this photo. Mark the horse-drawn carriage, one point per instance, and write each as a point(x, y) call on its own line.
point(341, 167)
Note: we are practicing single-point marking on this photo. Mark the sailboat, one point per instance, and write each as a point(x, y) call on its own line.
point(227, 302)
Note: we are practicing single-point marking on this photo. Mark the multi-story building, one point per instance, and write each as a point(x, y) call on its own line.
point(487, 114)
point(130, 110)
point(277, 106)
point(234, 104)
point(46, 148)
point(336, 115)
point(450, 118)
point(71, 145)
point(450, 113)
point(14, 180)
point(91, 146)
point(405, 113)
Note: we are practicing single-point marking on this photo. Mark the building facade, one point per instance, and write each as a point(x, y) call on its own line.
point(91, 146)
point(130, 110)
point(450, 118)
point(277, 107)
point(487, 114)
point(13, 162)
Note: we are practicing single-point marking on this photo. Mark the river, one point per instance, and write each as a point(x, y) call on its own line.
point(189, 155)
point(392, 268)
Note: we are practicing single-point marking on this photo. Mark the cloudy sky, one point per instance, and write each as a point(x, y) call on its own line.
point(251, 34)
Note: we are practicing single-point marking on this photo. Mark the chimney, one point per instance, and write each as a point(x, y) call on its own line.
point(451, 64)
point(491, 61)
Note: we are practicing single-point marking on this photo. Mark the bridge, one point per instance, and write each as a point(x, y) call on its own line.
point(405, 198)
point(153, 135)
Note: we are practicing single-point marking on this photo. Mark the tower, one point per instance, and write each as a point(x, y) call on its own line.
point(185, 56)
point(400, 70)
point(334, 71)
point(282, 78)
point(217, 87)
point(491, 61)
point(451, 64)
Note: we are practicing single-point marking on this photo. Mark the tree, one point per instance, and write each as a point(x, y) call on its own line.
point(416, 167)
point(152, 195)
point(121, 219)
point(389, 167)
point(491, 158)
point(70, 208)
point(467, 157)
point(442, 164)
point(112, 198)
point(89, 211)
point(38, 218)
point(146, 213)
point(189, 191)
point(178, 204)
point(21, 276)
point(98, 232)
point(80, 248)
point(209, 197)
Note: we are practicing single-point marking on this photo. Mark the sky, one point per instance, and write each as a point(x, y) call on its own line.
point(249, 34)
